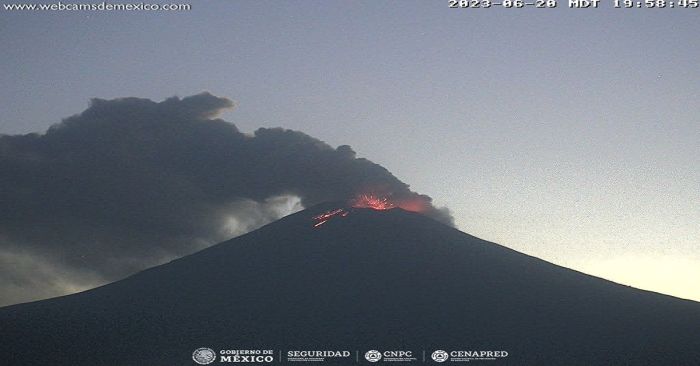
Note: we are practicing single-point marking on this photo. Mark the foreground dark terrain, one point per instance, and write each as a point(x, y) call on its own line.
point(370, 280)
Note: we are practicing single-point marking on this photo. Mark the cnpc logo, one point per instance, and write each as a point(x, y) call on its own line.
point(375, 356)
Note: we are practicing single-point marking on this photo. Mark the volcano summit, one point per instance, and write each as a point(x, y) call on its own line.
point(365, 280)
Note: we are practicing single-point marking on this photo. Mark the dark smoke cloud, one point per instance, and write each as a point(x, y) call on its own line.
point(130, 183)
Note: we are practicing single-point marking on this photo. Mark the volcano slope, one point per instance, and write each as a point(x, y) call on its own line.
point(369, 280)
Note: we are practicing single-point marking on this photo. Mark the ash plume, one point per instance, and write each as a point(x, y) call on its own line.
point(130, 183)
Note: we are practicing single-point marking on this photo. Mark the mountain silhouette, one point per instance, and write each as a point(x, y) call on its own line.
point(364, 279)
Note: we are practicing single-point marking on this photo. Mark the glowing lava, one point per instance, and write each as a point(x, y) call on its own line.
point(324, 217)
point(361, 201)
point(373, 202)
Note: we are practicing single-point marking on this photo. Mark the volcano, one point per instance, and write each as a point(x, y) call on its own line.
point(365, 280)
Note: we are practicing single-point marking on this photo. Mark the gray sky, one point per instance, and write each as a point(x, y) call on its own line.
point(570, 135)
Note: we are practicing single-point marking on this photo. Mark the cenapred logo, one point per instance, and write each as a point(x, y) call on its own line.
point(204, 355)
point(440, 356)
point(373, 356)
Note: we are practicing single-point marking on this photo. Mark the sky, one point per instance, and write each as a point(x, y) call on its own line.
point(567, 134)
